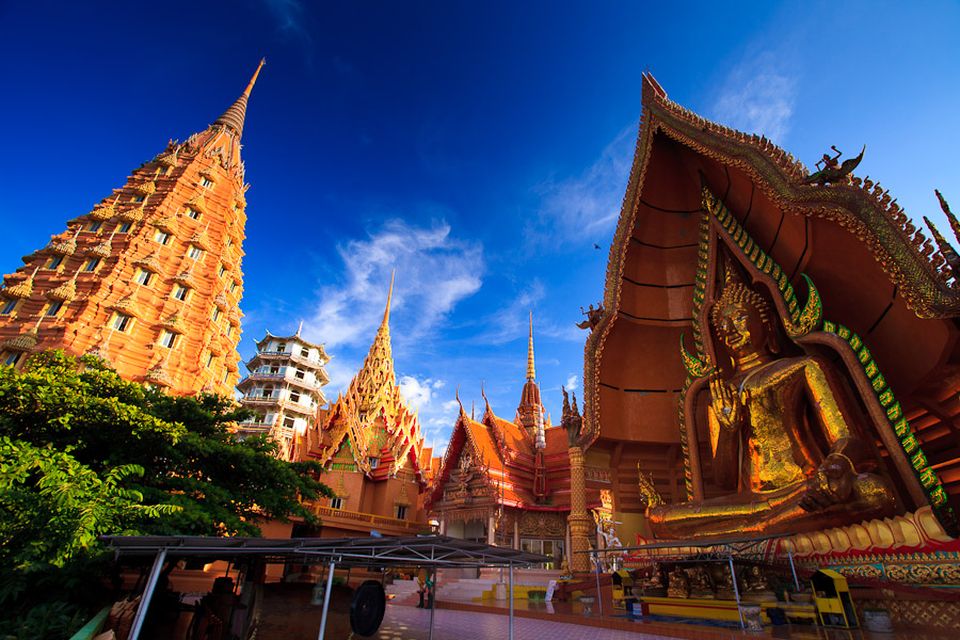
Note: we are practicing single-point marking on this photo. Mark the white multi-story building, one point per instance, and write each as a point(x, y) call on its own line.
point(283, 389)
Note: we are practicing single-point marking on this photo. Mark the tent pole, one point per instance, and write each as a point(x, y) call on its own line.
point(326, 599)
point(510, 634)
point(793, 569)
point(432, 600)
point(599, 594)
point(736, 591)
point(147, 594)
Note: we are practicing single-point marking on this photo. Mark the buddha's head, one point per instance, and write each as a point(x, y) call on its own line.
point(742, 321)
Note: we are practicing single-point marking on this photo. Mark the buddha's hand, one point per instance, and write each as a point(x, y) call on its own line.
point(726, 404)
point(831, 484)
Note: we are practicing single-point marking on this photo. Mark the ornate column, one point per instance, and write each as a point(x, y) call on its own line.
point(578, 519)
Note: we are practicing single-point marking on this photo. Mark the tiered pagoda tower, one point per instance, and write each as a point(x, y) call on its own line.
point(150, 279)
point(371, 446)
point(283, 389)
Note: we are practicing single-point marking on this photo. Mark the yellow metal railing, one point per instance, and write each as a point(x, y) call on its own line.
point(359, 516)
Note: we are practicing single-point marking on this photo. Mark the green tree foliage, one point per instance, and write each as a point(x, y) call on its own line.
point(85, 453)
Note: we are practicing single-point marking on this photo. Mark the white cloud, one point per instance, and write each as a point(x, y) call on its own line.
point(571, 384)
point(434, 273)
point(758, 96)
point(584, 208)
point(417, 393)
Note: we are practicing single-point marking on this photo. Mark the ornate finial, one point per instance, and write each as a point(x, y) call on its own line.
point(456, 395)
point(954, 223)
point(946, 250)
point(571, 420)
point(300, 328)
point(233, 117)
point(483, 394)
point(833, 172)
point(531, 371)
point(386, 310)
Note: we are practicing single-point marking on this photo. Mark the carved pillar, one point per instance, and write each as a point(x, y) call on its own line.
point(578, 519)
point(492, 529)
point(516, 531)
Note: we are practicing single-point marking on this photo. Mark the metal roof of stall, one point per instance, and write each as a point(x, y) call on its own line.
point(436, 551)
point(427, 551)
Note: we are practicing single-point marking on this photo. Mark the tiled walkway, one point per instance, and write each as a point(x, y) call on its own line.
point(410, 623)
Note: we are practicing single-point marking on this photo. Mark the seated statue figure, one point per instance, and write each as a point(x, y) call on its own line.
point(782, 439)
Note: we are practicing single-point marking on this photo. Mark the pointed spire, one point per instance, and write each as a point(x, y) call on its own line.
point(531, 370)
point(946, 250)
point(386, 310)
point(233, 117)
point(300, 328)
point(954, 223)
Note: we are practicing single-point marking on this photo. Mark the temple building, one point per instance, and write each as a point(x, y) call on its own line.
point(150, 278)
point(283, 389)
point(371, 447)
point(775, 355)
point(508, 482)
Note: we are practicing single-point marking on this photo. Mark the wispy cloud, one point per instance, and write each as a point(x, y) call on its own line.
point(758, 95)
point(584, 208)
point(572, 382)
point(290, 20)
point(434, 272)
point(436, 416)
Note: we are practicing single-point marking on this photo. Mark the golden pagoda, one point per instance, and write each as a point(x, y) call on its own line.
point(150, 278)
point(370, 444)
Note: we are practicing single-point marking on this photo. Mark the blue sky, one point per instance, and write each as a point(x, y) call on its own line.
point(480, 148)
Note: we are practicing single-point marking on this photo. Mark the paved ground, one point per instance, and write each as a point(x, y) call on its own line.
point(410, 623)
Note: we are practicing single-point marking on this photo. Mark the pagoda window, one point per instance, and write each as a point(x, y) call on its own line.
point(222, 271)
point(121, 322)
point(289, 423)
point(195, 252)
point(54, 262)
point(374, 462)
point(209, 360)
point(168, 338)
point(94, 226)
point(192, 213)
point(12, 358)
point(336, 503)
point(226, 375)
point(295, 396)
point(180, 292)
point(206, 182)
point(54, 308)
point(267, 392)
point(144, 277)
point(299, 375)
point(282, 347)
point(229, 330)
point(91, 264)
point(123, 227)
point(138, 198)
point(304, 353)
point(9, 307)
point(216, 313)
point(233, 286)
point(162, 237)
point(401, 512)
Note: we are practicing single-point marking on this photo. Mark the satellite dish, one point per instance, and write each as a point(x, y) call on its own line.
point(367, 608)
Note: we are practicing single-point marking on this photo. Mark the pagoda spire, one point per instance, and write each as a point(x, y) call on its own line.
point(531, 369)
point(376, 378)
point(234, 116)
point(386, 310)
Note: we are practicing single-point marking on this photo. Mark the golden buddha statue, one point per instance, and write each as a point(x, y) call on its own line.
point(781, 436)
